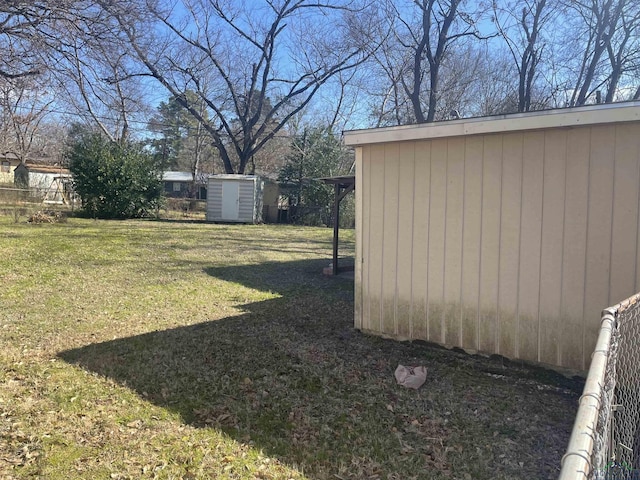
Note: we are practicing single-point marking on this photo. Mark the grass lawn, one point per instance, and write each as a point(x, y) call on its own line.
point(142, 349)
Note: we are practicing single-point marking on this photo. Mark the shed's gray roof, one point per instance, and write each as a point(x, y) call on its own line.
point(234, 176)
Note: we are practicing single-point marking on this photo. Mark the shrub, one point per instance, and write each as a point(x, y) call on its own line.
point(114, 179)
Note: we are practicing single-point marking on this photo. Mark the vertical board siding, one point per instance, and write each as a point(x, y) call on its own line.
point(420, 239)
point(437, 240)
point(471, 242)
point(575, 247)
point(530, 243)
point(390, 238)
point(598, 252)
point(360, 246)
point(453, 242)
point(376, 228)
point(508, 280)
point(490, 242)
point(555, 149)
point(500, 243)
point(625, 200)
point(404, 252)
point(636, 143)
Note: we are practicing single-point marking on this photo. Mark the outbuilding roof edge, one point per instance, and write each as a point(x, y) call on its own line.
point(561, 117)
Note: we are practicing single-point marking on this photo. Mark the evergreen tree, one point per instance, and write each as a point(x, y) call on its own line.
point(182, 142)
point(315, 153)
point(114, 179)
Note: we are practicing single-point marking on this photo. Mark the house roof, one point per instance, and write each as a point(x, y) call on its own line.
point(177, 177)
point(9, 156)
point(562, 117)
point(55, 169)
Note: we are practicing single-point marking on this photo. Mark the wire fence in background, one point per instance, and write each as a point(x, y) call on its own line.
point(21, 202)
point(605, 442)
point(55, 194)
point(10, 195)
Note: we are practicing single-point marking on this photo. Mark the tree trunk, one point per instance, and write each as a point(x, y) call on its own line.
point(224, 156)
point(616, 73)
point(414, 94)
point(433, 92)
point(588, 77)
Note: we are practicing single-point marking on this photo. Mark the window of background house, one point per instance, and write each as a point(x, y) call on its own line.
point(4, 166)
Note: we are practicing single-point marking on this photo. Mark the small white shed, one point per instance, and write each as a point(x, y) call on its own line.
point(234, 198)
point(504, 235)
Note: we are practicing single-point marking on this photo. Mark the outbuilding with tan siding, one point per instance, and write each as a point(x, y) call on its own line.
point(505, 235)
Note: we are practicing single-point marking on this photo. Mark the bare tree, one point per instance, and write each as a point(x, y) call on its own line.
point(390, 64)
point(96, 84)
point(421, 42)
point(494, 92)
point(93, 70)
point(261, 64)
point(444, 22)
point(610, 46)
point(23, 106)
point(343, 101)
point(69, 45)
point(623, 51)
point(437, 21)
point(523, 31)
point(19, 21)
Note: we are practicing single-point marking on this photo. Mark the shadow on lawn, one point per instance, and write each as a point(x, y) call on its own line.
point(291, 376)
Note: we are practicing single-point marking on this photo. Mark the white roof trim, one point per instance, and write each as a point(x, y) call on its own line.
point(233, 176)
point(564, 117)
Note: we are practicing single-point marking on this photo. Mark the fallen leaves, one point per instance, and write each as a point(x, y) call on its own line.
point(189, 356)
point(17, 447)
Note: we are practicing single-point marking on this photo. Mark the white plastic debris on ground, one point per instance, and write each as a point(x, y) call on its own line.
point(411, 377)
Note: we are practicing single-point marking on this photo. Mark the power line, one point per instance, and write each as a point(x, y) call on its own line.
point(87, 116)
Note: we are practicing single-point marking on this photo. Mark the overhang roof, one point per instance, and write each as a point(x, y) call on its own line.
point(343, 181)
point(562, 117)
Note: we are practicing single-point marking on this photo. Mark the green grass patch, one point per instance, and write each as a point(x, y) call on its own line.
point(159, 349)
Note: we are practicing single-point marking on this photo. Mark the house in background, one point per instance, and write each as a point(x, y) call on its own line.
point(40, 176)
point(52, 183)
point(178, 184)
point(8, 163)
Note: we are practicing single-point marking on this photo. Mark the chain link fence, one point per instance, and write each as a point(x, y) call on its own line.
point(605, 442)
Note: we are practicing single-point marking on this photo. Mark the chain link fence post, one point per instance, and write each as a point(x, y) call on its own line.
point(605, 441)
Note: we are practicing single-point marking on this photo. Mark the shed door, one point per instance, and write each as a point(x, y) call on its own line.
point(230, 200)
